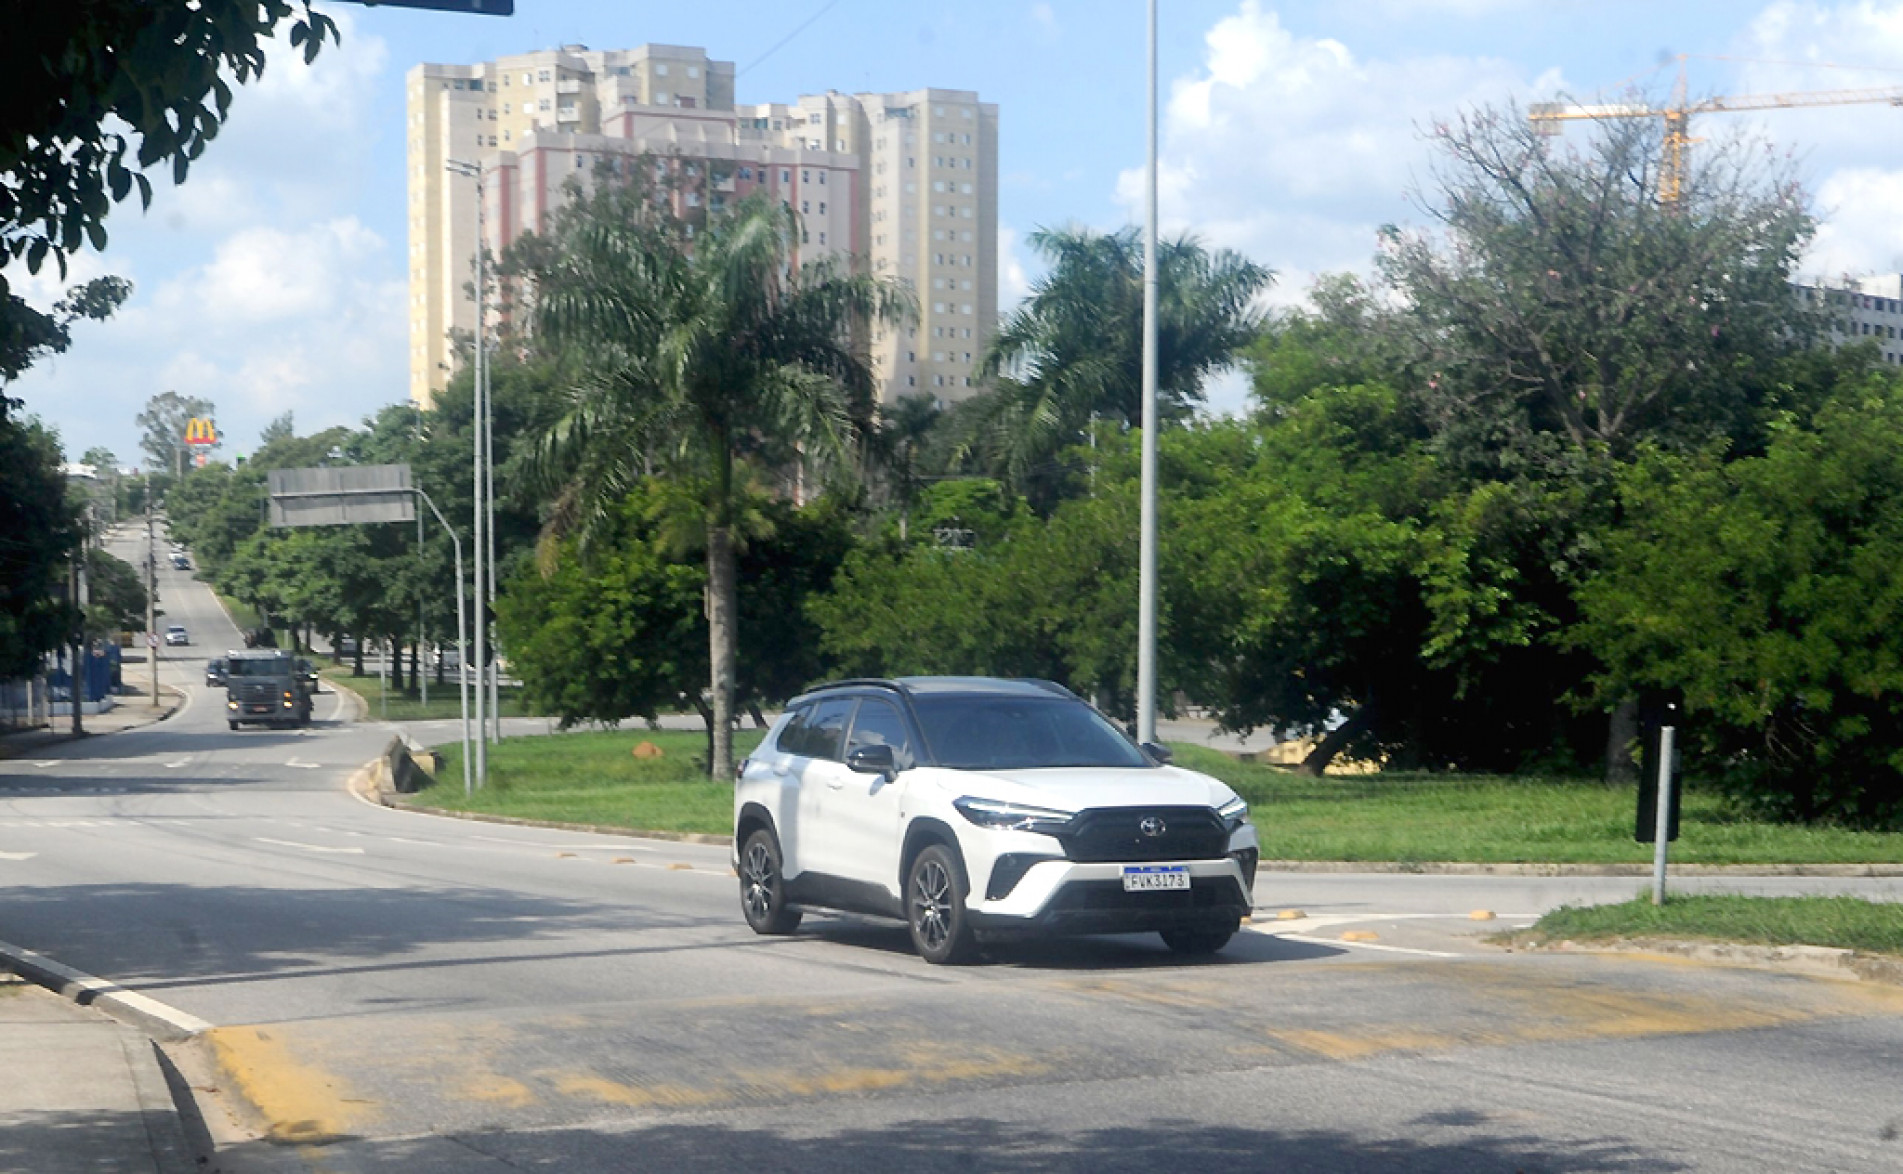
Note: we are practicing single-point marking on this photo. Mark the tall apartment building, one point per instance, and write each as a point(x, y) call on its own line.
point(905, 184)
point(1868, 309)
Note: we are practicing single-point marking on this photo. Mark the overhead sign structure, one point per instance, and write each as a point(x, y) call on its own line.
point(200, 431)
point(342, 496)
point(478, 7)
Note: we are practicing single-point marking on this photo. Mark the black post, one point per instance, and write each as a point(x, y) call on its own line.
point(1653, 717)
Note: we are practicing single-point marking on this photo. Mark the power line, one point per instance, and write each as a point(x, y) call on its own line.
point(781, 43)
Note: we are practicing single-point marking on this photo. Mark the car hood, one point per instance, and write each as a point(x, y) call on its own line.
point(1076, 788)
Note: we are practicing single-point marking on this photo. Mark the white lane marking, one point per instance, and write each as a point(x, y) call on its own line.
point(1316, 921)
point(421, 843)
point(179, 763)
point(567, 847)
point(307, 847)
point(302, 765)
point(18, 855)
point(1315, 941)
point(47, 763)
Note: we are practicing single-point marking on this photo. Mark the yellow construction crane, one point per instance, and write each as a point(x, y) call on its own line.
point(1547, 117)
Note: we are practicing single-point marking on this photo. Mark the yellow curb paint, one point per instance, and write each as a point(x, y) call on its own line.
point(1480, 915)
point(1361, 935)
point(1290, 915)
point(301, 1103)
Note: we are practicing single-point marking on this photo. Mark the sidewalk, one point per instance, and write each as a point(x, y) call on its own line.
point(127, 713)
point(86, 1093)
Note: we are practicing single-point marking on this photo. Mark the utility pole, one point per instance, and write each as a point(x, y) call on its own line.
point(151, 593)
point(1146, 576)
point(78, 574)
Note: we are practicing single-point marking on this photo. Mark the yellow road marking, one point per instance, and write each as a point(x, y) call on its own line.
point(300, 1103)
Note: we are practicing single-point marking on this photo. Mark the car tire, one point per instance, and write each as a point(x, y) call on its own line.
point(1200, 940)
point(233, 725)
point(935, 891)
point(763, 887)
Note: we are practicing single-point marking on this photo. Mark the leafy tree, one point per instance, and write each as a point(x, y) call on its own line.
point(39, 530)
point(703, 362)
point(115, 595)
point(28, 335)
point(163, 427)
point(278, 430)
point(96, 93)
point(1073, 351)
point(1766, 594)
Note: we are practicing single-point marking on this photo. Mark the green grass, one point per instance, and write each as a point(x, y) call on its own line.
point(242, 614)
point(406, 705)
point(594, 778)
point(1849, 923)
point(1494, 819)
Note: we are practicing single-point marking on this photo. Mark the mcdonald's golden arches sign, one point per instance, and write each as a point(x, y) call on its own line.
point(199, 431)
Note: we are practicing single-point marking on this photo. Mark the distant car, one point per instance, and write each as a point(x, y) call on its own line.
point(180, 562)
point(215, 672)
point(346, 646)
point(176, 634)
point(307, 672)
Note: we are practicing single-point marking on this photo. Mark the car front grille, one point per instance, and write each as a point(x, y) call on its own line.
point(1124, 834)
point(254, 692)
point(1110, 897)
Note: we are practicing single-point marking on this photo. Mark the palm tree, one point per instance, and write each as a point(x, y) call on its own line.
point(1073, 351)
point(709, 356)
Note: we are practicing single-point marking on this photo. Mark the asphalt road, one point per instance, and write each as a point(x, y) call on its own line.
point(393, 991)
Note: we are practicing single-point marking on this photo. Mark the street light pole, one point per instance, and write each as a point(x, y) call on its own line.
point(1146, 588)
point(477, 480)
point(462, 652)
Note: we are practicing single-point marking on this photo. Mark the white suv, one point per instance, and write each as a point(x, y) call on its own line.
point(970, 805)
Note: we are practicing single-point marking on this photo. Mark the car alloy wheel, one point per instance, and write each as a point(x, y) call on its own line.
point(935, 907)
point(763, 889)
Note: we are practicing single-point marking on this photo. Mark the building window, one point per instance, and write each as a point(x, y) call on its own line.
point(542, 75)
point(911, 381)
point(822, 207)
point(910, 356)
point(805, 207)
point(693, 71)
point(786, 175)
point(806, 176)
point(660, 69)
point(822, 238)
point(822, 179)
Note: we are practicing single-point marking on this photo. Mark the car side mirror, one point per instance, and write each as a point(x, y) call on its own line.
point(877, 759)
point(1159, 753)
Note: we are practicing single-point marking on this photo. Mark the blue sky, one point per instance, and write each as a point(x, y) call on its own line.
point(273, 280)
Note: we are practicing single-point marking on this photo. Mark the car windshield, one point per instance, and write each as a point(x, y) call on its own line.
point(1021, 733)
point(263, 667)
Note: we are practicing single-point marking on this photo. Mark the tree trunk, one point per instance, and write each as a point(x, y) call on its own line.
point(707, 721)
point(1622, 730)
point(416, 665)
point(753, 711)
point(356, 659)
point(1334, 741)
point(722, 636)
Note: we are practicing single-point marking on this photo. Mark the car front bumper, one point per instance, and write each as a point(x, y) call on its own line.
point(1057, 897)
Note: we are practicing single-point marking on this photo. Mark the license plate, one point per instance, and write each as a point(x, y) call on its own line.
point(1141, 877)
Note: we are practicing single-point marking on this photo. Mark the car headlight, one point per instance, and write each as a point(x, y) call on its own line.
point(1234, 813)
point(991, 813)
point(231, 705)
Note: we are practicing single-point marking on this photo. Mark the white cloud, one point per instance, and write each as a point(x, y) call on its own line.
point(1014, 282)
point(1045, 18)
point(1294, 150)
point(1860, 231)
point(258, 284)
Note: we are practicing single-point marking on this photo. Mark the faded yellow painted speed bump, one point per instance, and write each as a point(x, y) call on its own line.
point(564, 856)
point(1291, 915)
point(1361, 935)
point(301, 1103)
point(1480, 915)
point(679, 866)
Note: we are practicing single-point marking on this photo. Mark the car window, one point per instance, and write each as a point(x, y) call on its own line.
point(828, 728)
point(1017, 733)
point(878, 723)
point(793, 733)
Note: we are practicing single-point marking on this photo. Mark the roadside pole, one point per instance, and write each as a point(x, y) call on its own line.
point(151, 594)
point(1663, 833)
point(1147, 536)
point(75, 688)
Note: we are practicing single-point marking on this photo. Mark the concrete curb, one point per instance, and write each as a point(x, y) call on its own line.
point(148, 1015)
point(1814, 961)
point(17, 744)
point(1467, 868)
point(371, 781)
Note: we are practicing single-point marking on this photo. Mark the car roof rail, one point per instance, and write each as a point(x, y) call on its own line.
point(1048, 686)
point(849, 682)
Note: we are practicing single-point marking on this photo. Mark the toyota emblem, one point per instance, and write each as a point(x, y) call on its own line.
point(1152, 826)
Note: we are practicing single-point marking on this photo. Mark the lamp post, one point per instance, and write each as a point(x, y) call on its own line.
point(1146, 579)
point(482, 550)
